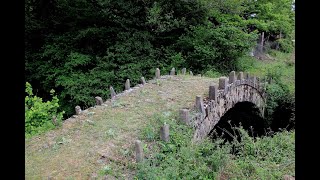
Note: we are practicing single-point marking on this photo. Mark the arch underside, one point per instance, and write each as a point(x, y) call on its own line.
point(226, 99)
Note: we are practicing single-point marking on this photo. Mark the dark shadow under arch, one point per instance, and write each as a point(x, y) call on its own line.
point(245, 113)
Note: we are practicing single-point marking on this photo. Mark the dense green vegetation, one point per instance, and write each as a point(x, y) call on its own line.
point(40, 116)
point(255, 158)
point(80, 48)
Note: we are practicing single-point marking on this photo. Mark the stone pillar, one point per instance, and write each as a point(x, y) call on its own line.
point(54, 120)
point(127, 84)
point(232, 77)
point(200, 105)
point(255, 82)
point(139, 151)
point(99, 100)
point(240, 76)
point(113, 94)
point(247, 75)
point(191, 74)
point(157, 73)
point(223, 82)
point(164, 133)
point(78, 110)
point(213, 92)
point(252, 81)
point(184, 116)
point(265, 84)
point(143, 81)
point(172, 72)
point(184, 71)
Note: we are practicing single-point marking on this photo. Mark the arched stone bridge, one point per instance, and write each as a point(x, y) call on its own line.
point(223, 97)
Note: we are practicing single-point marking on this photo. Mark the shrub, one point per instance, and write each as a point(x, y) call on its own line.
point(38, 114)
point(280, 109)
point(286, 45)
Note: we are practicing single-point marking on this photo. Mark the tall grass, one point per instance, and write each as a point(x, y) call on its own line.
point(256, 158)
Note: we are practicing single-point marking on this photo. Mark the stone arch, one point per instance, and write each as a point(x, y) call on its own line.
point(223, 97)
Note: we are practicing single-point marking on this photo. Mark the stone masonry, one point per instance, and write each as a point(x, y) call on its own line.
point(224, 99)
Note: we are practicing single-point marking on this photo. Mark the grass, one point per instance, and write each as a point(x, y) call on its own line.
point(281, 66)
point(261, 158)
point(102, 143)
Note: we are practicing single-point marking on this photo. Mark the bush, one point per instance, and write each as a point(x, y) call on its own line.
point(280, 109)
point(207, 47)
point(245, 63)
point(39, 115)
point(286, 45)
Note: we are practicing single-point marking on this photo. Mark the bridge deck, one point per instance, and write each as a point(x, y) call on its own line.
point(87, 143)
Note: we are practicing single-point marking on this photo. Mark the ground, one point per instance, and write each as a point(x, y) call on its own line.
point(103, 138)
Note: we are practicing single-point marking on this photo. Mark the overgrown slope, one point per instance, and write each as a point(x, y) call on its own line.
point(105, 137)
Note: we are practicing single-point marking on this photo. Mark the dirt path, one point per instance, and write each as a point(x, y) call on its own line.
point(104, 137)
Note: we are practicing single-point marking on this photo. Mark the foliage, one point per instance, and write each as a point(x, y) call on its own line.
point(280, 109)
point(81, 48)
point(264, 158)
point(39, 114)
point(286, 45)
point(205, 47)
point(261, 158)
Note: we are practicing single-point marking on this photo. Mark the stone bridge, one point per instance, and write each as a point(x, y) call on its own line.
point(207, 111)
point(222, 97)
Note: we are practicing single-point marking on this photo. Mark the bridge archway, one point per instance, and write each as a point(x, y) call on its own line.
point(243, 113)
point(223, 97)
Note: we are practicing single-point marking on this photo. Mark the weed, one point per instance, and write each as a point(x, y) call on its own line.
point(111, 133)
point(106, 170)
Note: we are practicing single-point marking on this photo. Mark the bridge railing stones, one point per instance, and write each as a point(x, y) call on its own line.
point(213, 92)
point(143, 81)
point(157, 73)
point(127, 84)
point(139, 151)
point(78, 110)
point(184, 71)
point(164, 133)
point(99, 101)
point(184, 116)
point(112, 93)
point(200, 106)
point(240, 76)
point(232, 77)
point(223, 82)
point(172, 72)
